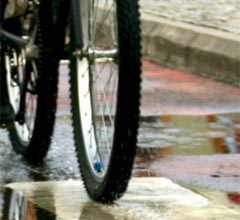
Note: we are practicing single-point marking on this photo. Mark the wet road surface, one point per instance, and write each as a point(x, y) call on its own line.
point(196, 144)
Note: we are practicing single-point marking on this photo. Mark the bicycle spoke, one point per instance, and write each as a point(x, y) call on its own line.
point(105, 19)
point(105, 123)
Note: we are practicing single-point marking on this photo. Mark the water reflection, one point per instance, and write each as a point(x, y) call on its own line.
point(189, 135)
point(16, 206)
point(45, 202)
point(192, 150)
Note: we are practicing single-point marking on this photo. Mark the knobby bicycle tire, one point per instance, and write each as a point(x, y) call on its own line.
point(35, 147)
point(113, 123)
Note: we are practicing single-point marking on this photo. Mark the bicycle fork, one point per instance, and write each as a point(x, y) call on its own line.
point(77, 23)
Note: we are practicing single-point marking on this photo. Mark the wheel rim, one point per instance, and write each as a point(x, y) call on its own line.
point(18, 62)
point(98, 82)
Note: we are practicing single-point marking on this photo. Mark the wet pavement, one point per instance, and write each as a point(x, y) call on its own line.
point(173, 92)
point(188, 162)
point(190, 135)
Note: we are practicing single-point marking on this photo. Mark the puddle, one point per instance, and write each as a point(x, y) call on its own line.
point(191, 135)
point(18, 206)
point(198, 151)
point(190, 150)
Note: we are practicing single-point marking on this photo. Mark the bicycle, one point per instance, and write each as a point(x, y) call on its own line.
point(105, 78)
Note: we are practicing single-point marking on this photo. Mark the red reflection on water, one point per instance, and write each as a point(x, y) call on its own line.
point(234, 198)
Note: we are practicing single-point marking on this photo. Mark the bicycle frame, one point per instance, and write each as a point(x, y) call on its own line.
point(14, 13)
point(75, 15)
point(31, 52)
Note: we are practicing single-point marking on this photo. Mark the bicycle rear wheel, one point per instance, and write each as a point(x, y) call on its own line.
point(38, 77)
point(105, 81)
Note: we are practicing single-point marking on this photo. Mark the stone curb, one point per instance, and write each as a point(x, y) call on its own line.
point(146, 198)
point(205, 51)
point(68, 200)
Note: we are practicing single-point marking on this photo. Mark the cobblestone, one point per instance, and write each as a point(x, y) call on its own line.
point(218, 14)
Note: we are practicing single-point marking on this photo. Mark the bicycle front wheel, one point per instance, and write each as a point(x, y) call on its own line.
point(105, 81)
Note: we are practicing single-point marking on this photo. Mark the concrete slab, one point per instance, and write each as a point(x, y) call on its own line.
point(146, 198)
point(206, 51)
